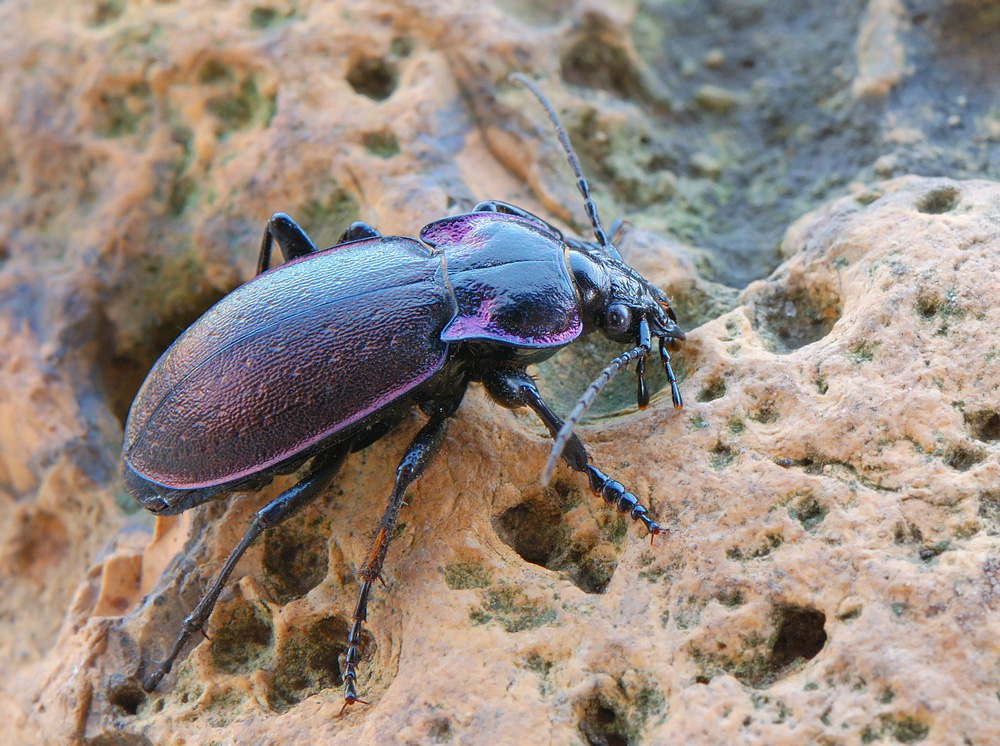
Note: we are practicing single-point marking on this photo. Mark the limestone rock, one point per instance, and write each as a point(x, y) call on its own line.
point(832, 486)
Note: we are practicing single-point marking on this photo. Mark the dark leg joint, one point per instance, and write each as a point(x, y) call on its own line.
point(357, 231)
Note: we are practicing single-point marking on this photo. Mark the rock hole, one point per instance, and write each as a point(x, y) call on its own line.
point(788, 318)
point(798, 636)
point(927, 306)
point(440, 730)
point(329, 212)
point(963, 458)
point(809, 512)
point(382, 143)
point(906, 533)
point(308, 661)
point(402, 46)
point(801, 634)
point(721, 456)
point(770, 543)
point(295, 561)
point(989, 510)
point(106, 12)
point(263, 17)
point(566, 377)
point(713, 390)
point(127, 695)
point(536, 531)
point(120, 112)
point(766, 413)
point(215, 71)
point(985, 426)
point(532, 529)
point(939, 201)
point(373, 77)
point(593, 62)
point(238, 109)
point(603, 725)
point(241, 638)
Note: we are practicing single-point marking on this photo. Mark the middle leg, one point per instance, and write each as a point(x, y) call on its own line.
point(419, 454)
point(513, 388)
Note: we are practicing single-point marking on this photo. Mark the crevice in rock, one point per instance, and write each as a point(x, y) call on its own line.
point(373, 77)
point(939, 201)
point(308, 661)
point(790, 316)
point(295, 561)
point(985, 425)
point(536, 531)
point(242, 637)
point(603, 725)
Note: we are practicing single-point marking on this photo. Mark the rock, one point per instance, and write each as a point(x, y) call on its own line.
point(832, 486)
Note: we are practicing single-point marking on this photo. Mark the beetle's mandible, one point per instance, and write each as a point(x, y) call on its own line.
point(291, 368)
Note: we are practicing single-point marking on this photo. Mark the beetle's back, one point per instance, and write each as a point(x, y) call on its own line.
point(288, 360)
point(510, 278)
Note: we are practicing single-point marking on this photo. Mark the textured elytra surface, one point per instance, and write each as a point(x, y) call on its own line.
point(335, 315)
point(832, 484)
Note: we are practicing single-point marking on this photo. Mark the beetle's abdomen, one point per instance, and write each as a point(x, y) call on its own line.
point(510, 279)
point(289, 359)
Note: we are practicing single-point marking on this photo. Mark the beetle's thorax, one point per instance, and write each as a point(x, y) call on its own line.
point(614, 297)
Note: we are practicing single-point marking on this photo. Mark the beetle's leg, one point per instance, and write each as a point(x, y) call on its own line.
point(418, 455)
point(356, 231)
point(284, 505)
point(292, 240)
point(495, 205)
point(513, 388)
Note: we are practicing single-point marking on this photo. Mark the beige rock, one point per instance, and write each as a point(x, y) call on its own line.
point(832, 486)
point(881, 55)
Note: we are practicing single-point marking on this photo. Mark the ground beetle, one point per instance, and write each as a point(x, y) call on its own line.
point(325, 354)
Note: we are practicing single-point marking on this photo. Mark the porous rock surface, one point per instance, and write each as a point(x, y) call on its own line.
point(832, 485)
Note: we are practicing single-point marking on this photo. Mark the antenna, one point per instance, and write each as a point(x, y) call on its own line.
point(581, 183)
point(616, 366)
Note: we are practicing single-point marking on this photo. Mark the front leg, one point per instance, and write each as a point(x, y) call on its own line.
point(513, 388)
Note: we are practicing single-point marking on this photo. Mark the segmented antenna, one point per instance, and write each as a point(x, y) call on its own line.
point(581, 183)
point(613, 369)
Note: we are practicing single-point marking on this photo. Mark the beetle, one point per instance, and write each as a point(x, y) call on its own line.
point(325, 354)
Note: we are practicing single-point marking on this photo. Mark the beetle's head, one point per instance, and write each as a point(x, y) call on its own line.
point(616, 299)
point(627, 308)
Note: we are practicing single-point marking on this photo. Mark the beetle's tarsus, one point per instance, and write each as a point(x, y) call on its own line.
point(514, 388)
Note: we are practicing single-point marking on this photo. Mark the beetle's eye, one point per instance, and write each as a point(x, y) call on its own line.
point(617, 318)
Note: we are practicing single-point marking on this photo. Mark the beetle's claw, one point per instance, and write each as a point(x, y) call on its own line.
point(350, 700)
point(655, 529)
